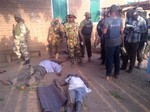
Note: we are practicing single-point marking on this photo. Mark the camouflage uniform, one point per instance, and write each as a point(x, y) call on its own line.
point(54, 39)
point(20, 41)
point(73, 41)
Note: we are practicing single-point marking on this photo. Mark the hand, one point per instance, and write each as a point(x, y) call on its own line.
point(59, 19)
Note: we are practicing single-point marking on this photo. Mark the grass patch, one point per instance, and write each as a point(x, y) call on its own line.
point(2, 99)
point(116, 95)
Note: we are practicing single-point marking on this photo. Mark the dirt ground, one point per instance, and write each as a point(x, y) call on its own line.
point(129, 93)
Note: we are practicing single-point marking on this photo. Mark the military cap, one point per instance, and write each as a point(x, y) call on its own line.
point(72, 15)
point(139, 9)
point(87, 13)
point(17, 16)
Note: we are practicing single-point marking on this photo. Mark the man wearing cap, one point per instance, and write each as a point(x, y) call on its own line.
point(136, 26)
point(144, 37)
point(85, 31)
point(54, 38)
point(20, 41)
point(71, 29)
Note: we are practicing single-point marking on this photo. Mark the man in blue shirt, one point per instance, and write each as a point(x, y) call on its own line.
point(112, 28)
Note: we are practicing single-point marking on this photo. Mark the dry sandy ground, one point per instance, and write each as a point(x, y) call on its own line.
point(129, 93)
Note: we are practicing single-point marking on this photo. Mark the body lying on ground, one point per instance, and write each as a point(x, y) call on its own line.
point(34, 74)
point(77, 89)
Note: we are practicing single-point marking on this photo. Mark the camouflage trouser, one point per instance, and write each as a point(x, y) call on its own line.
point(74, 52)
point(54, 46)
point(26, 78)
point(20, 48)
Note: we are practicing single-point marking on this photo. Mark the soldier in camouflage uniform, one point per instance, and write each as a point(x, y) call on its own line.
point(71, 29)
point(54, 38)
point(20, 42)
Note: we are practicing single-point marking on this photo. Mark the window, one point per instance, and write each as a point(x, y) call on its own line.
point(59, 8)
point(95, 10)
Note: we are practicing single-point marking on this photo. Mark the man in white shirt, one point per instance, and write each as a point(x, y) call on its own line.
point(77, 90)
point(35, 74)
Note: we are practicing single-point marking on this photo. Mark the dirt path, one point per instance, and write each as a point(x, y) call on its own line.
point(129, 93)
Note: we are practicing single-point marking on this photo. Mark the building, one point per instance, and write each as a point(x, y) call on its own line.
point(38, 14)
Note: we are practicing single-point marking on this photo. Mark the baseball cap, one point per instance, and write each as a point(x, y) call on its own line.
point(139, 9)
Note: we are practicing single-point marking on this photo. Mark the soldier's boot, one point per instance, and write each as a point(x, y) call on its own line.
point(72, 62)
point(79, 60)
point(78, 106)
point(57, 55)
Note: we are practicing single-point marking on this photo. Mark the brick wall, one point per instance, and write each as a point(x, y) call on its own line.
point(36, 14)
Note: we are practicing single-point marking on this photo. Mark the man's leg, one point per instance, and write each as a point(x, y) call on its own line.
point(134, 48)
point(139, 54)
point(71, 100)
point(147, 49)
point(16, 48)
point(117, 61)
point(88, 48)
point(103, 52)
point(126, 57)
point(109, 60)
point(20, 79)
point(37, 76)
point(79, 97)
point(24, 51)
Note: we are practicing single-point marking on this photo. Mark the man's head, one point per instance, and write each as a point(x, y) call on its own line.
point(17, 17)
point(113, 10)
point(87, 15)
point(55, 22)
point(140, 11)
point(71, 17)
point(135, 15)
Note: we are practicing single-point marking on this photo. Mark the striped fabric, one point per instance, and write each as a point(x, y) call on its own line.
point(51, 98)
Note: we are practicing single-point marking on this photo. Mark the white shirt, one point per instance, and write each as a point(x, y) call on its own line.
point(51, 66)
point(76, 82)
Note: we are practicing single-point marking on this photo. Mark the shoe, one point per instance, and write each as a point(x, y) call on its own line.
point(123, 68)
point(139, 65)
point(102, 63)
point(6, 82)
point(99, 58)
point(145, 57)
point(129, 71)
point(116, 76)
point(107, 77)
point(89, 59)
point(26, 62)
point(79, 61)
